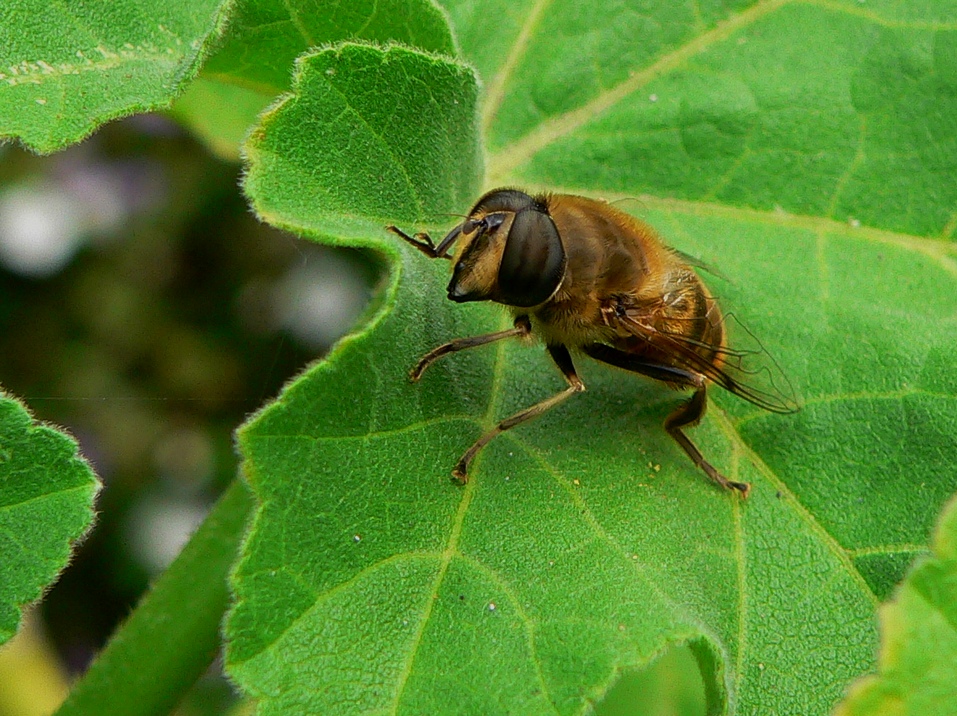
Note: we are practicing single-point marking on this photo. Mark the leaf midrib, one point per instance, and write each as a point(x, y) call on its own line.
point(60, 70)
point(505, 160)
point(451, 549)
point(496, 89)
point(502, 162)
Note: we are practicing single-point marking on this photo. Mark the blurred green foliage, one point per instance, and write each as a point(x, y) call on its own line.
point(158, 338)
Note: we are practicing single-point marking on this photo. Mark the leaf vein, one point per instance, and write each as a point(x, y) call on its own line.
point(860, 155)
point(871, 16)
point(411, 427)
point(450, 551)
point(888, 549)
point(600, 532)
point(527, 620)
point(298, 24)
point(824, 274)
point(496, 90)
point(381, 139)
point(35, 72)
point(847, 397)
point(840, 553)
point(44, 496)
point(521, 150)
point(320, 597)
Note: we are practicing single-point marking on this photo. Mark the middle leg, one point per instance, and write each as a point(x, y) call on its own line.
point(563, 360)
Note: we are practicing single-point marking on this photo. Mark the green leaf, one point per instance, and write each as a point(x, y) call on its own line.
point(66, 70)
point(46, 505)
point(255, 61)
point(832, 109)
point(585, 542)
point(358, 103)
point(219, 114)
point(173, 636)
point(918, 661)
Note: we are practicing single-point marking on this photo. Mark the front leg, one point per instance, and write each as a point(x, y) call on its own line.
point(522, 328)
point(422, 241)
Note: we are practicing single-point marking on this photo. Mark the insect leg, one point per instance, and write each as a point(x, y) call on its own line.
point(522, 328)
point(563, 360)
point(686, 415)
point(423, 242)
point(689, 414)
point(636, 364)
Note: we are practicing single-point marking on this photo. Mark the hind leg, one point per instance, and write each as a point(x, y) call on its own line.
point(688, 415)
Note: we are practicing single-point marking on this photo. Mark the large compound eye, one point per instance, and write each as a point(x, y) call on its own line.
point(533, 261)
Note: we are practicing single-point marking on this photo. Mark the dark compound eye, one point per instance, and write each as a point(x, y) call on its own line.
point(533, 262)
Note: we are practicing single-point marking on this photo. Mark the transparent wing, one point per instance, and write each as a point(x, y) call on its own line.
point(698, 263)
point(742, 367)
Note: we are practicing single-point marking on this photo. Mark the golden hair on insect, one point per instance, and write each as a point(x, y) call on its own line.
point(582, 275)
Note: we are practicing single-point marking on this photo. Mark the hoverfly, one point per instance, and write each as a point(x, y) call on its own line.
point(582, 275)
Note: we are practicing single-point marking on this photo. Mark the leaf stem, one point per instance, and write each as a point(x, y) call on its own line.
point(173, 635)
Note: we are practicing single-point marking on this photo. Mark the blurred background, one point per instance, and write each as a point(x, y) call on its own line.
point(146, 310)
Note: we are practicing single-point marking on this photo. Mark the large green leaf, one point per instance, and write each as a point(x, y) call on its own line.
point(255, 62)
point(833, 109)
point(585, 542)
point(46, 504)
point(66, 68)
point(918, 664)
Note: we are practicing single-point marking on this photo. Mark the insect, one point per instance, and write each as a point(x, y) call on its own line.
point(585, 276)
